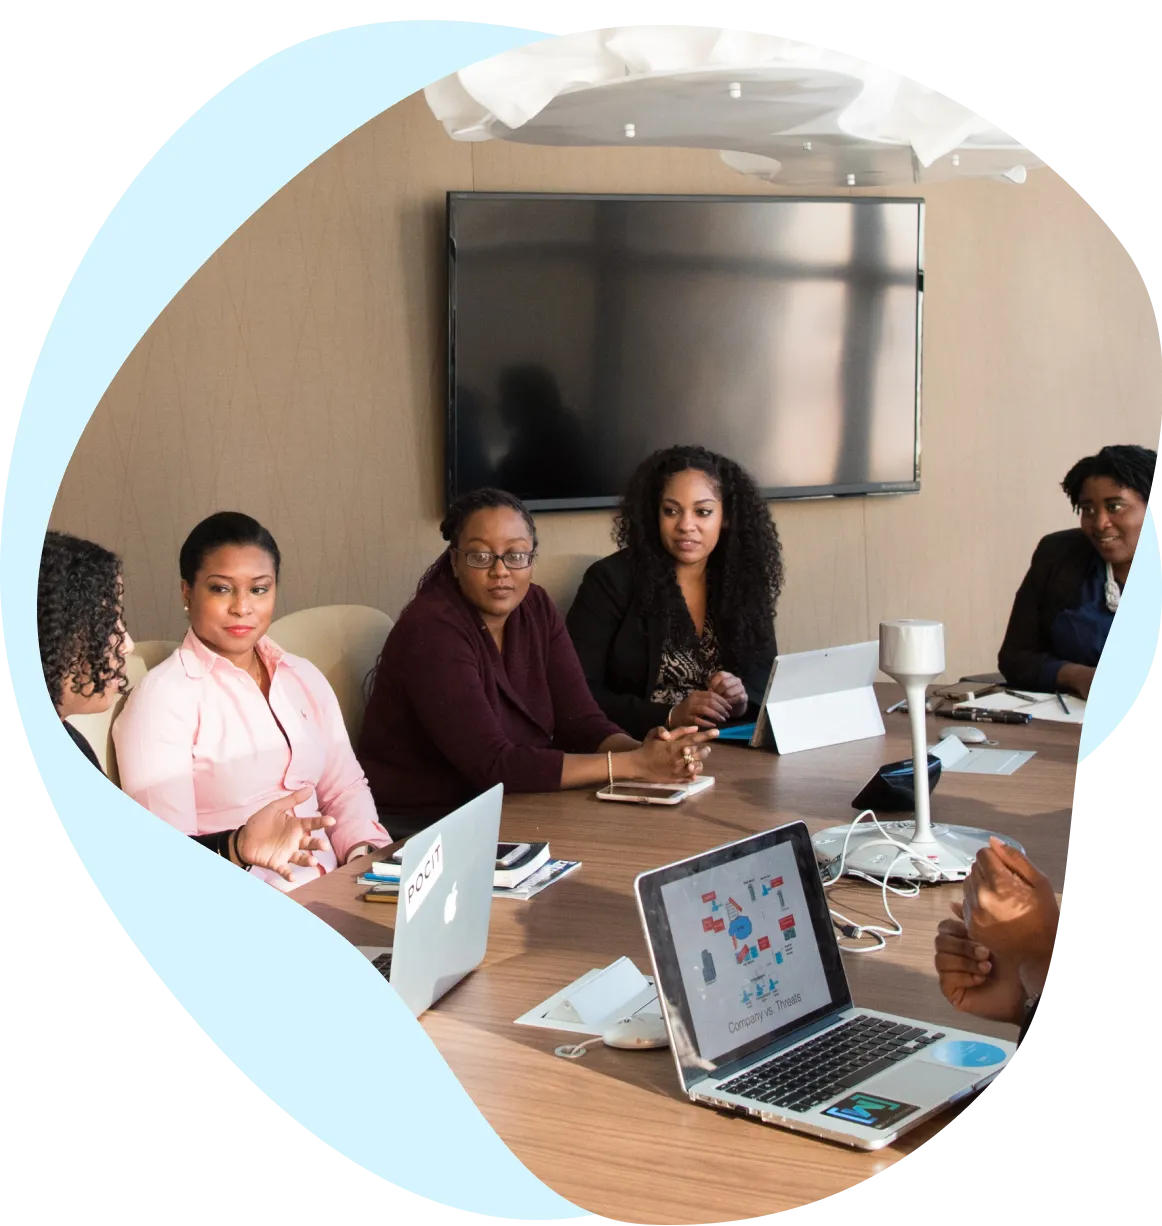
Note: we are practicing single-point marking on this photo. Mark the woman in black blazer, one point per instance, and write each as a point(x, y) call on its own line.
point(1065, 606)
point(677, 628)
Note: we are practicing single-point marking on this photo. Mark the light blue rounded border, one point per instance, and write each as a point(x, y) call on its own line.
point(230, 965)
point(1130, 648)
point(295, 1007)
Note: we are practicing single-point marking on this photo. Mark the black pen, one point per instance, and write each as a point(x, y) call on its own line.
point(984, 716)
point(1064, 704)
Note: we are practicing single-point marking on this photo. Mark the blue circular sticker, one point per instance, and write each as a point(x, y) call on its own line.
point(960, 1053)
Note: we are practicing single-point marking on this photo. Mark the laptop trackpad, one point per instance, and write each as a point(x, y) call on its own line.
point(917, 1081)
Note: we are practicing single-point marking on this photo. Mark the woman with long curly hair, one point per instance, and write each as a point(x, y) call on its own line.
point(677, 628)
point(479, 684)
point(83, 641)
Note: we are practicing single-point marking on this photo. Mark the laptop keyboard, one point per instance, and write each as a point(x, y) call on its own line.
point(836, 1061)
point(383, 964)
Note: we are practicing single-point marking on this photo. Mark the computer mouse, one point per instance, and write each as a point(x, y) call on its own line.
point(970, 736)
point(644, 1030)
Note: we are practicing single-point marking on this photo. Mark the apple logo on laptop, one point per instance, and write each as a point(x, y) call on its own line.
point(450, 905)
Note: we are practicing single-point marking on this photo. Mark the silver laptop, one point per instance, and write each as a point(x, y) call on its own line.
point(758, 1010)
point(445, 900)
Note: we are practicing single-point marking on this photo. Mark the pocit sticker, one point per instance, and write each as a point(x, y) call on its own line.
point(419, 884)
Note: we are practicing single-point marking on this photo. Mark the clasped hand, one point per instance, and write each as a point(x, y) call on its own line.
point(675, 754)
point(724, 698)
point(994, 953)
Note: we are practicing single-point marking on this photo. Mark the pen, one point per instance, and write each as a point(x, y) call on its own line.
point(896, 706)
point(1064, 704)
point(982, 716)
point(1024, 697)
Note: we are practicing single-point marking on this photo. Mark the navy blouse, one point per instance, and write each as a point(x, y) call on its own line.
point(1077, 635)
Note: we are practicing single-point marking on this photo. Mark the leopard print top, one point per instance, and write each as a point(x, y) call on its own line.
point(684, 669)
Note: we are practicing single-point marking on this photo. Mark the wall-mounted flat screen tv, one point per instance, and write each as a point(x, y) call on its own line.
point(584, 332)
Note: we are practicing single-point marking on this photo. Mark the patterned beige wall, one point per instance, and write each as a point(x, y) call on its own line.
point(299, 376)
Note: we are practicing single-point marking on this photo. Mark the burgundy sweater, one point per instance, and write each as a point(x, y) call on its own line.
point(450, 716)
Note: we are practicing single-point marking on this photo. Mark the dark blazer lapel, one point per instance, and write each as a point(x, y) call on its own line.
point(1060, 575)
point(654, 639)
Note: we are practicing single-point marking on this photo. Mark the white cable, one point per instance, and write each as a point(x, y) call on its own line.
point(574, 1051)
point(875, 930)
point(878, 932)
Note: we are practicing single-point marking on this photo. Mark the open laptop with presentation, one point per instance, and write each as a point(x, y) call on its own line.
point(758, 1010)
point(445, 900)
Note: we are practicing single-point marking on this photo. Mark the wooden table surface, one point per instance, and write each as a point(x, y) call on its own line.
point(611, 1131)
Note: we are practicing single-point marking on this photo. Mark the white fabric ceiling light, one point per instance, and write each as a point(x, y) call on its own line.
point(784, 111)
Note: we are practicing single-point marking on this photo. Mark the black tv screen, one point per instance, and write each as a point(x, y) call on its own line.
point(587, 331)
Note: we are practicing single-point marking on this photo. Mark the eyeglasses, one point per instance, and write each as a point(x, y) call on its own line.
point(483, 559)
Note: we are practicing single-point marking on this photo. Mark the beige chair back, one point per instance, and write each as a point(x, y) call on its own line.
point(343, 642)
point(152, 653)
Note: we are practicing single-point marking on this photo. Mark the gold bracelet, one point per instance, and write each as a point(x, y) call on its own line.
point(670, 715)
point(609, 758)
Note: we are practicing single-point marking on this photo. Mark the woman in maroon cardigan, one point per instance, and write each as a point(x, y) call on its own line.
point(479, 684)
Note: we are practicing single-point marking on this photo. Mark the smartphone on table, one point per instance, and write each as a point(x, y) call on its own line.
point(655, 793)
point(506, 854)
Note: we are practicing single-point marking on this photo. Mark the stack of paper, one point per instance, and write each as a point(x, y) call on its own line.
point(543, 877)
point(959, 758)
point(533, 873)
point(1039, 706)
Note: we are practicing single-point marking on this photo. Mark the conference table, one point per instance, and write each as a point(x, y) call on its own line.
point(611, 1131)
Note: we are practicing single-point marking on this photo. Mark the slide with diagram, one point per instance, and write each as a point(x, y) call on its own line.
point(747, 966)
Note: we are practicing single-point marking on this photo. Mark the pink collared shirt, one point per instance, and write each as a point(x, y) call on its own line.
point(199, 746)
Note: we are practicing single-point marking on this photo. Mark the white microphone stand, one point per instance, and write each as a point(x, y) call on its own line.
point(912, 653)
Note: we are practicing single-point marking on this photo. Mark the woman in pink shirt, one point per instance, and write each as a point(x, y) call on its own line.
point(83, 647)
point(230, 721)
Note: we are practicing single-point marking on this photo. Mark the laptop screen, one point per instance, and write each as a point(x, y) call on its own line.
point(743, 946)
